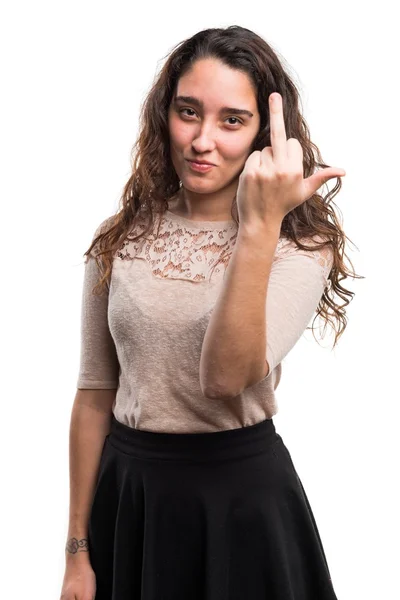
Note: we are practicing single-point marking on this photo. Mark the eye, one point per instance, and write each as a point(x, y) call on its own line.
point(182, 109)
point(235, 118)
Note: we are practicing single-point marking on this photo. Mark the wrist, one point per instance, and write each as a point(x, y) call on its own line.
point(258, 233)
point(77, 549)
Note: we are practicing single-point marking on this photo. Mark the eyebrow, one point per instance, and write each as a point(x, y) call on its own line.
point(200, 104)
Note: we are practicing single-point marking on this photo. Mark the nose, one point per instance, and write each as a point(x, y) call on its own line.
point(205, 140)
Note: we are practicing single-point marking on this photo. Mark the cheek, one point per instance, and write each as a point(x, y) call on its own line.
point(234, 148)
point(179, 134)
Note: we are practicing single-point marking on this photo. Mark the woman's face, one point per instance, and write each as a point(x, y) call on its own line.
point(209, 126)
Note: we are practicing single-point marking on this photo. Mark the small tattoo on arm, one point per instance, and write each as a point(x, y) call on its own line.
point(73, 545)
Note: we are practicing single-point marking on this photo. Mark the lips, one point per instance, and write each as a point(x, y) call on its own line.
point(199, 162)
point(200, 168)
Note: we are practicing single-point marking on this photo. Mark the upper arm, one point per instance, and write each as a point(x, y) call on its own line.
point(101, 400)
point(296, 283)
point(266, 369)
point(99, 365)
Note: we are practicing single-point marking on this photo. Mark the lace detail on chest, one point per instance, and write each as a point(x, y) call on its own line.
point(180, 252)
point(192, 254)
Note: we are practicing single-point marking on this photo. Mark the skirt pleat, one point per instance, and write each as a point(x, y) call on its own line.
point(210, 516)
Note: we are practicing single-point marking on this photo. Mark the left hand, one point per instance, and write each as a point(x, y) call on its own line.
point(271, 183)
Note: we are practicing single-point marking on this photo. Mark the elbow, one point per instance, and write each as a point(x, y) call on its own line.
point(208, 393)
point(223, 392)
point(217, 392)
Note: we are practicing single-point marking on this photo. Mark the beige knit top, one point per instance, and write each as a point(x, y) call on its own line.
point(144, 336)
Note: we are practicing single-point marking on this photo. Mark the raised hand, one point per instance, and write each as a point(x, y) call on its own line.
point(271, 183)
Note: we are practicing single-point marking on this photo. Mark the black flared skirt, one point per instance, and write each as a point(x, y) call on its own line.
point(210, 516)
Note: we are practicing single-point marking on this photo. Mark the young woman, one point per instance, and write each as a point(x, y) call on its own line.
point(194, 293)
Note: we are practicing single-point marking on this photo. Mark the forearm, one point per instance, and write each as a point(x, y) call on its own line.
point(89, 426)
point(234, 347)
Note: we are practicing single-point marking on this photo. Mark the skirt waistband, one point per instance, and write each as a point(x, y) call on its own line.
point(226, 444)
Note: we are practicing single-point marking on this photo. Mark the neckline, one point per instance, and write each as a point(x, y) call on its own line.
point(200, 224)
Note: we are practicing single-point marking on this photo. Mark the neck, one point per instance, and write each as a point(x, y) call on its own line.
point(216, 206)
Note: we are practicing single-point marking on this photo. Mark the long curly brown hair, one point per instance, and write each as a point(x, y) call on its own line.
point(154, 181)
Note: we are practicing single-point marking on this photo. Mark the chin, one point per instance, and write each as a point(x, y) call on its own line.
point(198, 186)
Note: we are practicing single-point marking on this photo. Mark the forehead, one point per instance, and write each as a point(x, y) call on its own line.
point(216, 84)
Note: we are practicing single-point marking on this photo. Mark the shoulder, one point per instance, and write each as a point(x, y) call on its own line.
point(323, 256)
point(310, 245)
point(105, 225)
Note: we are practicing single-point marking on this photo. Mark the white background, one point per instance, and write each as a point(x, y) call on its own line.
point(73, 77)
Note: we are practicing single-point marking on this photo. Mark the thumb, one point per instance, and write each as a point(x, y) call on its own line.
point(314, 182)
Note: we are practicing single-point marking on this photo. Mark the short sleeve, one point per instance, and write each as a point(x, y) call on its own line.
point(296, 284)
point(99, 365)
